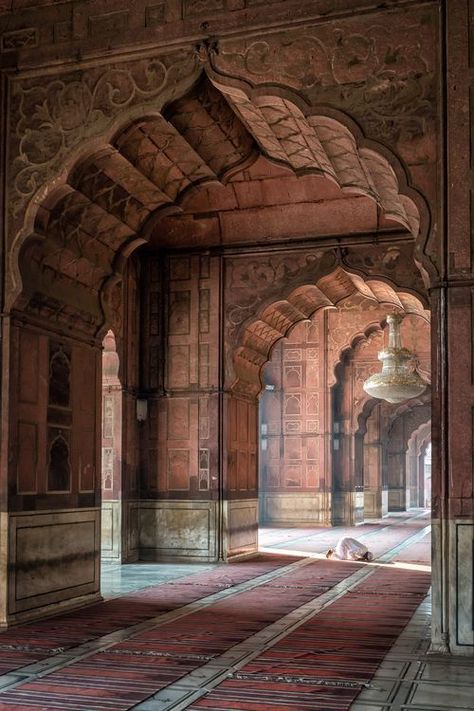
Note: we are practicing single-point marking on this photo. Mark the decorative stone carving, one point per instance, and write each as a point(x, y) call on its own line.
point(206, 50)
point(249, 283)
point(108, 23)
point(155, 14)
point(52, 118)
point(195, 8)
point(383, 77)
point(19, 39)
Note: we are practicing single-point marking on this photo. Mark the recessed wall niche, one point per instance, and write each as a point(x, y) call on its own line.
point(59, 465)
point(59, 375)
point(59, 418)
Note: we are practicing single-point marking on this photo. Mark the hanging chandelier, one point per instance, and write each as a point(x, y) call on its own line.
point(398, 381)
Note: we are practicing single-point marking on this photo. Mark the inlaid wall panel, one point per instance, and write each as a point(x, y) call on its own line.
point(86, 432)
point(29, 367)
point(242, 433)
point(56, 557)
point(55, 419)
point(27, 457)
point(32, 398)
point(292, 417)
point(181, 376)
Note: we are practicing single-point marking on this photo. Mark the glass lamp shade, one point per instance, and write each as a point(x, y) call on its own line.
point(398, 381)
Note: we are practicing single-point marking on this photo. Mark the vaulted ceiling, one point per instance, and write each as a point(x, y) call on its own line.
point(202, 173)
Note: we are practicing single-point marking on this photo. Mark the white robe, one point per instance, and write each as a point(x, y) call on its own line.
point(350, 549)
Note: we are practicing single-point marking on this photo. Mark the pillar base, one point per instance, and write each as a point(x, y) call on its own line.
point(300, 509)
point(240, 522)
point(172, 530)
point(453, 583)
point(111, 531)
point(57, 608)
point(51, 561)
point(375, 503)
point(347, 508)
point(397, 499)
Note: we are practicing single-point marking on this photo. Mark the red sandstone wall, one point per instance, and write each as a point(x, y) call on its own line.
point(296, 413)
point(54, 427)
point(292, 414)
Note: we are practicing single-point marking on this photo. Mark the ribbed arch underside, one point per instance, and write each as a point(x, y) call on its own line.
point(276, 320)
point(420, 437)
point(102, 211)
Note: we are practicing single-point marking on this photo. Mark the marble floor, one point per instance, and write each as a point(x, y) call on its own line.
point(409, 678)
point(331, 636)
point(117, 580)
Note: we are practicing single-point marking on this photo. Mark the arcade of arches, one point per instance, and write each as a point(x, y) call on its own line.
point(222, 212)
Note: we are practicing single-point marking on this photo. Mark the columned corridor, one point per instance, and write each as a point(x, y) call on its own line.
point(287, 630)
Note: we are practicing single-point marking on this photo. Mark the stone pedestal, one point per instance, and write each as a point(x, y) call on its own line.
point(296, 509)
point(375, 503)
point(347, 508)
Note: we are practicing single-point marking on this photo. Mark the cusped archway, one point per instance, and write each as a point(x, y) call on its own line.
point(163, 174)
point(275, 320)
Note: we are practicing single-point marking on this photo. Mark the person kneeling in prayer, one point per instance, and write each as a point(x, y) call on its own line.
point(350, 549)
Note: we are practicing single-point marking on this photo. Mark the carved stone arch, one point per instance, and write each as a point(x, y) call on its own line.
point(59, 379)
point(365, 412)
point(420, 407)
point(422, 433)
point(101, 128)
point(146, 159)
point(412, 197)
point(363, 406)
point(59, 465)
point(274, 319)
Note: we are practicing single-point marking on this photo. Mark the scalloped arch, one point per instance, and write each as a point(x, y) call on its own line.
point(93, 218)
point(274, 321)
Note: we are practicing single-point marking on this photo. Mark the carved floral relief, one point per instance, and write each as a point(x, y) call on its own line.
point(382, 75)
point(51, 118)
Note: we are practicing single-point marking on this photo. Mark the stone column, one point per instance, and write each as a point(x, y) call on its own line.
point(240, 477)
point(420, 493)
point(396, 467)
point(111, 509)
point(452, 309)
point(375, 496)
point(180, 508)
point(347, 497)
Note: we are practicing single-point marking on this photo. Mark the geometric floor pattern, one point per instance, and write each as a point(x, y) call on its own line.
point(287, 631)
